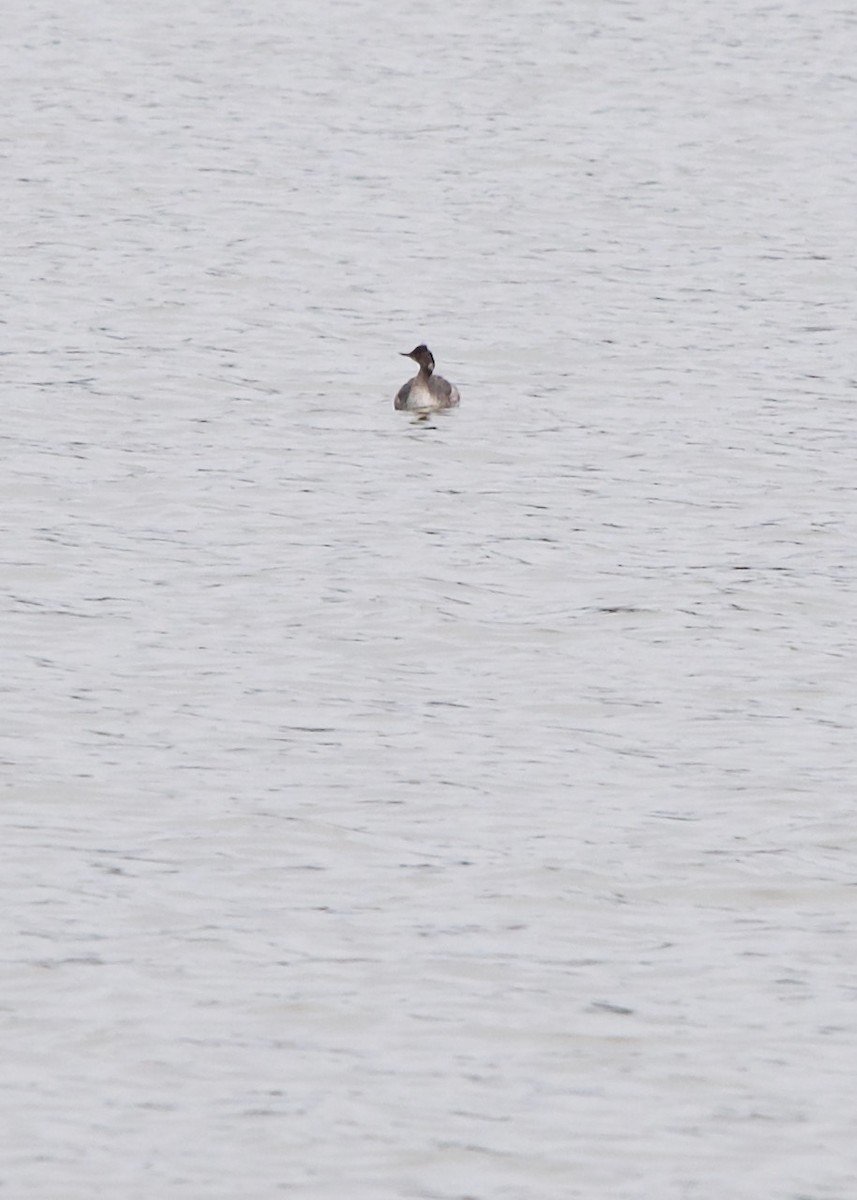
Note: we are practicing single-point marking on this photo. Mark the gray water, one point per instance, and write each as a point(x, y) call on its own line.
point(438, 810)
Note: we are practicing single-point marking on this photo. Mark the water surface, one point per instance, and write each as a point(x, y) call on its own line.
point(442, 810)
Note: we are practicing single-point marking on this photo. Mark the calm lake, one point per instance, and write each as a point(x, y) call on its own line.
point(444, 810)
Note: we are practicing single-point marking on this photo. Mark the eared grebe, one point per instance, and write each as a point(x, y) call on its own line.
point(426, 391)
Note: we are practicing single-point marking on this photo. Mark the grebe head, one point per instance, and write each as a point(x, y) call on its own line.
point(421, 355)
